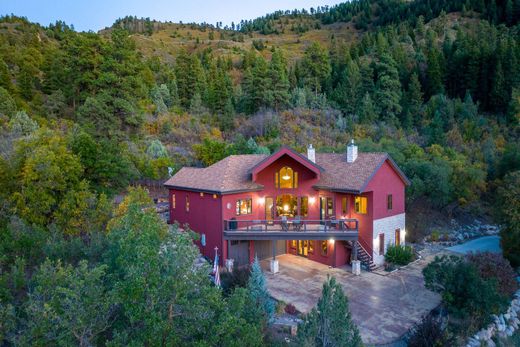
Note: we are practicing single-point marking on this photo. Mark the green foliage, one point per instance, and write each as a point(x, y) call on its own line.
point(464, 293)
point(315, 66)
point(7, 103)
point(399, 254)
point(495, 266)
point(210, 151)
point(67, 305)
point(431, 332)
point(329, 323)
point(508, 212)
point(22, 124)
point(260, 300)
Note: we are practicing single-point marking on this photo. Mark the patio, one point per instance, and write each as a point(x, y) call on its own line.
point(383, 307)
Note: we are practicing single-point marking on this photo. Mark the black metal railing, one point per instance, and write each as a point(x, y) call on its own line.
point(292, 225)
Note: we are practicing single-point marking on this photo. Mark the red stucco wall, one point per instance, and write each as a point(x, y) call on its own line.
point(387, 181)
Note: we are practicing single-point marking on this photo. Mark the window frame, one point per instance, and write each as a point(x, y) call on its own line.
point(278, 178)
point(249, 206)
point(358, 205)
point(324, 251)
point(381, 237)
point(389, 202)
point(173, 202)
point(344, 205)
point(187, 203)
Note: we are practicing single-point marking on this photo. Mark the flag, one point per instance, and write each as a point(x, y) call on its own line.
point(216, 274)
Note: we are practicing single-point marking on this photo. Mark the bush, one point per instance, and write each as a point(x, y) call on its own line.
point(238, 278)
point(435, 235)
point(495, 266)
point(430, 332)
point(465, 294)
point(399, 254)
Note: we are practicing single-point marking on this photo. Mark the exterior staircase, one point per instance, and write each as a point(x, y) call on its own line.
point(365, 257)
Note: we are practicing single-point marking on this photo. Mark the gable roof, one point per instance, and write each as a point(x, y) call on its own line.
point(234, 173)
point(285, 150)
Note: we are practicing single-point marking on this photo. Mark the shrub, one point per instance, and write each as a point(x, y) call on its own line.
point(399, 254)
point(430, 332)
point(435, 235)
point(290, 309)
point(236, 279)
point(280, 307)
point(494, 265)
point(464, 293)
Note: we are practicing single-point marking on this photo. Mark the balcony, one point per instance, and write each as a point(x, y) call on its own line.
point(336, 229)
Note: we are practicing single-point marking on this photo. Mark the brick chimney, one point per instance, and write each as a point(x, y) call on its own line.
point(351, 152)
point(311, 153)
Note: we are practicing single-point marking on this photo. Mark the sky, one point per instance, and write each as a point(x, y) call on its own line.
point(97, 14)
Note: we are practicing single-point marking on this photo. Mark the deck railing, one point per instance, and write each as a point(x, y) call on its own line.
point(292, 225)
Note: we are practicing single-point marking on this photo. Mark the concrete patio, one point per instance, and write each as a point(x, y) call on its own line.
point(384, 307)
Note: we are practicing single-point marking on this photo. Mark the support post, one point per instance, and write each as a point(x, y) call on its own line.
point(354, 250)
point(273, 264)
point(274, 249)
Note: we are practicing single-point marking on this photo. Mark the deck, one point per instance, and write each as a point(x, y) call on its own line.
point(336, 229)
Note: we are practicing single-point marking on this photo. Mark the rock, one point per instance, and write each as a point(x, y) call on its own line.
point(502, 320)
point(507, 316)
point(501, 327)
point(509, 331)
point(491, 343)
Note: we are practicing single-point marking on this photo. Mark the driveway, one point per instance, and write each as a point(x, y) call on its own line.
point(384, 307)
point(482, 244)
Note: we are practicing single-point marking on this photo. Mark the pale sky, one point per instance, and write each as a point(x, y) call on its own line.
point(97, 14)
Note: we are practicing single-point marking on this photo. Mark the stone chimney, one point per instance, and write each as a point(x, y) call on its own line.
point(351, 152)
point(311, 153)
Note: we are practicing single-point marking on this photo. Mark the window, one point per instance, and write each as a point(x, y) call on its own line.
point(286, 205)
point(389, 202)
point(244, 206)
point(381, 244)
point(361, 204)
point(397, 237)
point(311, 247)
point(324, 247)
point(173, 201)
point(293, 244)
point(201, 194)
point(330, 207)
point(187, 203)
point(214, 196)
point(304, 206)
point(286, 178)
point(344, 210)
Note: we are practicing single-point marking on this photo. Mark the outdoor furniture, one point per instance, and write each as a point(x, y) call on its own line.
point(284, 223)
point(297, 224)
point(334, 223)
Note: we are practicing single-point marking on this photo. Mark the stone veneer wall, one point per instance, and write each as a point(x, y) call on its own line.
point(387, 226)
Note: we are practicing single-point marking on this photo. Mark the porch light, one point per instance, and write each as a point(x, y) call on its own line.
point(286, 208)
point(261, 201)
point(331, 241)
point(312, 199)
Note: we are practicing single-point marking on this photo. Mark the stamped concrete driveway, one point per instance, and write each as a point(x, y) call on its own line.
point(384, 307)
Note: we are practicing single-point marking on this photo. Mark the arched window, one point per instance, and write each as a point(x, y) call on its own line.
point(286, 178)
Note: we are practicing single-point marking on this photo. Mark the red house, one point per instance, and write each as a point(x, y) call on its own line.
point(328, 207)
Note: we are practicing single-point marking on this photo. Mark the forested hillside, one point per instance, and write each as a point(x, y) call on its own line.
point(82, 115)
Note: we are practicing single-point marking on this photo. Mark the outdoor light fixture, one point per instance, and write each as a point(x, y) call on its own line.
point(312, 199)
point(286, 177)
point(331, 241)
point(286, 208)
point(261, 201)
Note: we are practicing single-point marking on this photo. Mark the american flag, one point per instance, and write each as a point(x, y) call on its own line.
point(216, 274)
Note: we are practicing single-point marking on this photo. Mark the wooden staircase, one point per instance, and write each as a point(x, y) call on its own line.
point(365, 257)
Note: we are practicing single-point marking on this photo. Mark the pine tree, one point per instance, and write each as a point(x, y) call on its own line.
point(413, 102)
point(388, 89)
point(316, 67)
point(260, 298)
point(279, 80)
point(367, 113)
point(330, 322)
point(347, 92)
point(434, 73)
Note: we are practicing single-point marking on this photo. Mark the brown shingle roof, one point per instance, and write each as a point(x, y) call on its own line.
point(232, 174)
point(228, 175)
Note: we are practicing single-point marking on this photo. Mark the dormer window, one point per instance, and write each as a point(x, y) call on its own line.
point(286, 178)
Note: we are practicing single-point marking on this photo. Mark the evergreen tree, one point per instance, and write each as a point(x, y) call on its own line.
point(347, 92)
point(316, 67)
point(260, 298)
point(279, 80)
point(413, 102)
point(434, 73)
point(329, 323)
point(7, 103)
point(388, 89)
point(367, 113)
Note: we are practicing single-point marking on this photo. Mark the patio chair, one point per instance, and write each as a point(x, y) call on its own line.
point(284, 224)
point(297, 224)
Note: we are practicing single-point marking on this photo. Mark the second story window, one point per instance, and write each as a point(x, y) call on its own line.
point(173, 201)
point(344, 209)
point(389, 202)
point(187, 203)
point(286, 178)
point(361, 203)
point(244, 206)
